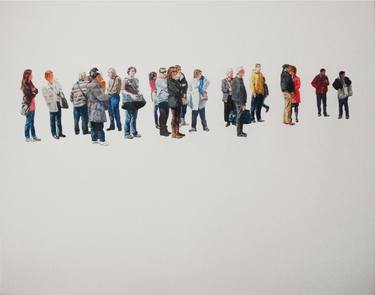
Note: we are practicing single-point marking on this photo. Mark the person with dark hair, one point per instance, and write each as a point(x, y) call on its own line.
point(296, 98)
point(96, 100)
point(114, 89)
point(239, 96)
point(320, 83)
point(175, 93)
point(28, 104)
point(343, 85)
point(162, 101)
point(152, 82)
point(130, 89)
point(184, 86)
point(53, 94)
point(226, 88)
point(287, 88)
point(197, 100)
point(78, 97)
point(257, 87)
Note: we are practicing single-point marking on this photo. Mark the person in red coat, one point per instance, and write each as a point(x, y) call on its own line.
point(320, 83)
point(296, 98)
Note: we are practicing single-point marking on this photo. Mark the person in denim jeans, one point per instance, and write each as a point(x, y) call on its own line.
point(130, 88)
point(78, 97)
point(29, 92)
point(114, 89)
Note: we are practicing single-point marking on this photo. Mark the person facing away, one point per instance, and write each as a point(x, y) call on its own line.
point(287, 88)
point(320, 83)
point(78, 96)
point(96, 100)
point(175, 92)
point(52, 93)
point(226, 89)
point(152, 76)
point(258, 90)
point(130, 89)
point(239, 96)
point(197, 98)
point(29, 93)
point(184, 87)
point(161, 100)
point(296, 98)
point(343, 85)
point(113, 91)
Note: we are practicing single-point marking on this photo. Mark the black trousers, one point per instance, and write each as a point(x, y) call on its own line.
point(163, 115)
point(202, 115)
point(295, 108)
point(228, 107)
point(321, 99)
point(239, 122)
point(343, 103)
point(256, 106)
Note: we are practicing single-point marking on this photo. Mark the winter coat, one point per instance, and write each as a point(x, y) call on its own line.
point(161, 90)
point(174, 88)
point(226, 88)
point(52, 93)
point(320, 83)
point(257, 83)
point(239, 94)
point(29, 93)
point(183, 84)
point(197, 101)
point(296, 98)
point(78, 95)
point(96, 100)
point(286, 82)
point(343, 87)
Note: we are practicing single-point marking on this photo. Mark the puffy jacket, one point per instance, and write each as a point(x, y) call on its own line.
point(286, 82)
point(296, 98)
point(96, 100)
point(320, 83)
point(78, 95)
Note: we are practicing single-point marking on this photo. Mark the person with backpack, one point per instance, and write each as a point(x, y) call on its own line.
point(197, 100)
point(296, 98)
point(320, 83)
point(114, 89)
point(96, 100)
point(343, 85)
point(226, 89)
point(54, 96)
point(28, 105)
point(287, 88)
point(152, 82)
point(78, 97)
point(239, 96)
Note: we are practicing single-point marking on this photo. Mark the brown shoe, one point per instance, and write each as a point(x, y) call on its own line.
point(180, 134)
point(176, 135)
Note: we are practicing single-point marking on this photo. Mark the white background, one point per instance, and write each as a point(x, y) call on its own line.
point(288, 210)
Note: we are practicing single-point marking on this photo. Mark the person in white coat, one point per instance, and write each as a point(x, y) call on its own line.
point(197, 94)
point(52, 93)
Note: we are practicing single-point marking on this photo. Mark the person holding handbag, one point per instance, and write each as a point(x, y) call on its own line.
point(28, 105)
point(239, 96)
point(78, 97)
point(96, 100)
point(55, 98)
point(343, 85)
point(175, 95)
point(198, 100)
point(130, 90)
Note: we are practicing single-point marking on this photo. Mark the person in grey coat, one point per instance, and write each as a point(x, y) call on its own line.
point(96, 99)
point(226, 88)
point(239, 96)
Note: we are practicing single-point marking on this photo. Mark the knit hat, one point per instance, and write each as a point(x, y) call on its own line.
point(94, 72)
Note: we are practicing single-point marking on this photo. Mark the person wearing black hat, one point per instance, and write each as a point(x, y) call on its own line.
point(287, 88)
point(96, 98)
point(343, 85)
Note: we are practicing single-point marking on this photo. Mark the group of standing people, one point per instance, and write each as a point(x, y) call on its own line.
point(92, 98)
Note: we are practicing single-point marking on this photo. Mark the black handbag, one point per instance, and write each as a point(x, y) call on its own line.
point(131, 104)
point(64, 102)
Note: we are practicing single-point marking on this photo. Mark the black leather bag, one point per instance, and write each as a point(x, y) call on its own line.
point(133, 104)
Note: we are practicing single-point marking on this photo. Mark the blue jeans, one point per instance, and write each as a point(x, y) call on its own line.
point(156, 118)
point(81, 112)
point(97, 131)
point(202, 115)
point(131, 122)
point(183, 111)
point(55, 121)
point(114, 110)
point(29, 125)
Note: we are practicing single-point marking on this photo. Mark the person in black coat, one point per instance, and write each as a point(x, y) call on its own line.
point(239, 96)
point(287, 88)
point(343, 85)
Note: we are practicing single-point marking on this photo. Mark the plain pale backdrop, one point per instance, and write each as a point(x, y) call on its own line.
point(288, 210)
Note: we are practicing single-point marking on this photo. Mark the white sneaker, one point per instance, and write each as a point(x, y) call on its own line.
point(29, 140)
point(94, 142)
point(104, 143)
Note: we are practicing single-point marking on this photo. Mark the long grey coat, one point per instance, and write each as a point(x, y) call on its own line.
point(225, 89)
point(96, 99)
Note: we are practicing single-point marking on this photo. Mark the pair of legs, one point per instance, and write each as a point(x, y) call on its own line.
point(256, 107)
point(81, 113)
point(343, 103)
point(239, 120)
point(321, 99)
point(295, 108)
point(29, 126)
point(287, 117)
point(229, 106)
point(202, 116)
point(183, 114)
point(114, 112)
point(163, 117)
point(55, 122)
point(156, 119)
point(176, 113)
point(131, 122)
point(97, 132)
